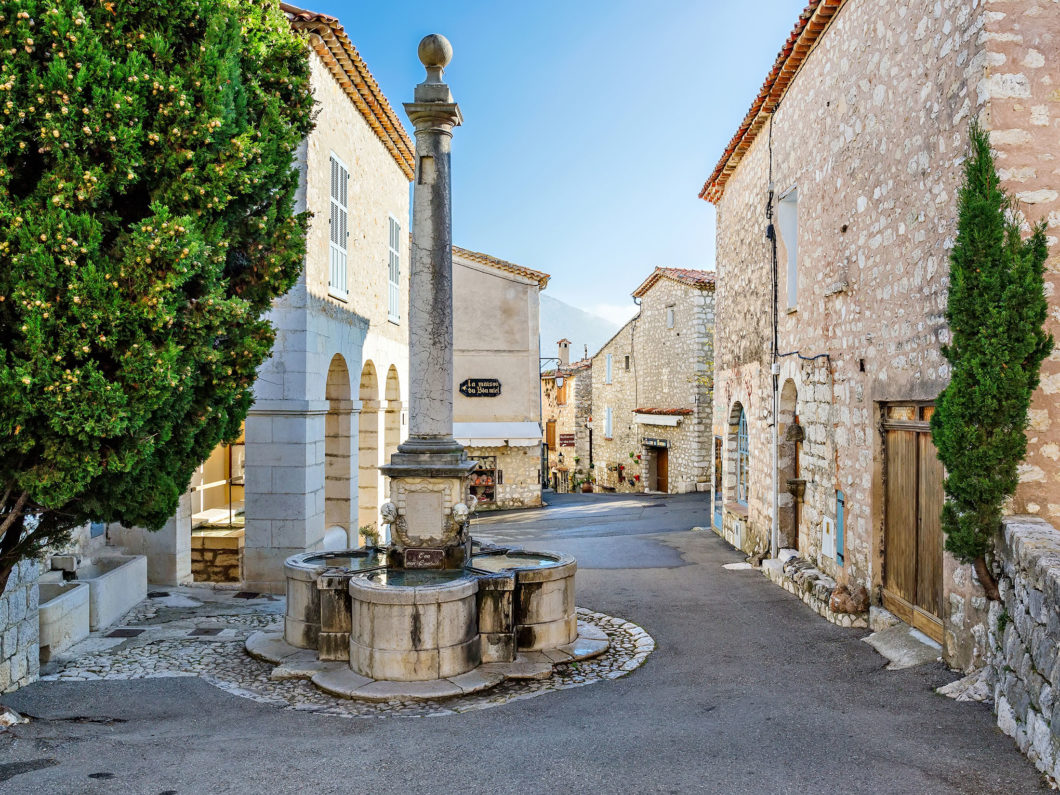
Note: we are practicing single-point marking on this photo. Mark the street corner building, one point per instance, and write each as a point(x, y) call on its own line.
point(836, 213)
point(651, 389)
point(497, 407)
point(330, 404)
point(567, 406)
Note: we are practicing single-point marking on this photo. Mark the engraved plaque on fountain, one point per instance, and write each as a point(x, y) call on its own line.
point(424, 558)
point(423, 516)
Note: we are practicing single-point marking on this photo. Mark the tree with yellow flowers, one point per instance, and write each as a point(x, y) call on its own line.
point(146, 195)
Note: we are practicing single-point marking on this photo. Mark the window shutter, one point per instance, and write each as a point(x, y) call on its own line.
point(339, 232)
point(394, 271)
point(608, 421)
point(607, 369)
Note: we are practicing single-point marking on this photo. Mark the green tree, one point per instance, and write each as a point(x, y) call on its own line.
point(996, 309)
point(146, 195)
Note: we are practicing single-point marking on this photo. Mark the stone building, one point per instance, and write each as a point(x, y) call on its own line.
point(836, 214)
point(329, 404)
point(566, 407)
point(497, 407)
point(651, 389)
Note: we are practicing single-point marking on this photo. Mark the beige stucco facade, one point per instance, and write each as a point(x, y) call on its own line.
point(864, 156)
point(651, 390)
point(495, 337)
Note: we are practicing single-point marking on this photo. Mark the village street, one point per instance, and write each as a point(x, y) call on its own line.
point(747, 691)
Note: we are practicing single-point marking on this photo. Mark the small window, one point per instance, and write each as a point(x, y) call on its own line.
point(788, 223)
point(394, 271)
point(608, 362)
point(669, 317)
point(743, 459)
point(627, 362)
point(609, 419)
point(338, 233)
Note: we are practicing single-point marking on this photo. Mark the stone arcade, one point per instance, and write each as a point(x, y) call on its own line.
point(432, 614)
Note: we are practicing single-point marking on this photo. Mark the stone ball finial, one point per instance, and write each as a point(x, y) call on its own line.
point(435, 51)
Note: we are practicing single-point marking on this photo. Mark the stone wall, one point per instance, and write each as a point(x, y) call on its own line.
point(19, 628)
point(1021, 641)
point(570, 417)
point(521, 468)
point(217, 555)
point(669, 369)
point(1018, 89)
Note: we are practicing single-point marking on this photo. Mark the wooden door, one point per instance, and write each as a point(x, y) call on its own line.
point(662, 470)
point(912, 559)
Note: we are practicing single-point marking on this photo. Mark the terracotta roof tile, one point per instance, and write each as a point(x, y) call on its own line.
point(693, 278)
point(664, 412)
point(330, 42)
point(812, 22)
point(499, 264)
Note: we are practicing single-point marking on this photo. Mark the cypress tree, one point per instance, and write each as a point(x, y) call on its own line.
point(146, 195)
point(996, 309)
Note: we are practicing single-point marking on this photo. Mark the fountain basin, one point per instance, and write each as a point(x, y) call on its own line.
point(302, 572)
point(413, 625)
point(543, 611)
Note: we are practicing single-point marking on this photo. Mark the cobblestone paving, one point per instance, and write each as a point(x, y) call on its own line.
point(166, 649)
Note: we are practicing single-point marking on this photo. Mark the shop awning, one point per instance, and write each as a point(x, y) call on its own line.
point(497, 434)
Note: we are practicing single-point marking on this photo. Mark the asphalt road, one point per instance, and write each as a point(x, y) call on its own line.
point(748, 691)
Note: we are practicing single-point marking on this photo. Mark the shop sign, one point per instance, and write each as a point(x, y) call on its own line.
point(480, 387)
point(566, 440)
point(647, 441)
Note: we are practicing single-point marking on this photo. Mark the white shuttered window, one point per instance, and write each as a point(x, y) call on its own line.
point(339, 213)
point(394, 274)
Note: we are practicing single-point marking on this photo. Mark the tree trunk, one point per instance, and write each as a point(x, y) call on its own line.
point(986, 579)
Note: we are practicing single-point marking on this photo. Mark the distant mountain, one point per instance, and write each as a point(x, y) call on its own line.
point(559, 320)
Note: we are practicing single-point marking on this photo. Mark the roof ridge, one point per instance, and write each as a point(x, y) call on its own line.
point(350, 71)
point(811, 24)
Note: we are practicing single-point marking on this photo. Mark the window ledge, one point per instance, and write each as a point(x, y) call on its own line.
point(791, 310)
point(395, 320)
point(736, 508)
point(344, 297)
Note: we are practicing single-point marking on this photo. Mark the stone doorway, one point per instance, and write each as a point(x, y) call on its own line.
point(338, 476)
point(791, 487)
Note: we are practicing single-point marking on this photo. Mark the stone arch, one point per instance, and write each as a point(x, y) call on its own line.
point(368, 449)
point(338, 448)
point(737, 460)
point(789, 447)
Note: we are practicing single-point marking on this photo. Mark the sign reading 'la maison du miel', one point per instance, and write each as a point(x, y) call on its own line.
point(480, 387)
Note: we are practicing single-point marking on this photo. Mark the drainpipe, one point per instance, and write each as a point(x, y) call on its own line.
point(774, 546)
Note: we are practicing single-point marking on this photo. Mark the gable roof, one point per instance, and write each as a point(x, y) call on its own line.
point(700, 279)
point(812, 22)
point(330, 42)
point(503, 265)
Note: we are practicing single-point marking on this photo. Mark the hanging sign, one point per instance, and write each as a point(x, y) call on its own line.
point(481, 387)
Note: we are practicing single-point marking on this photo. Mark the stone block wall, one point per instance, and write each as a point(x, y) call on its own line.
point(217, 555)
point(670, 368)
point(19, 628)
point(522, 476)
point(1021, 640)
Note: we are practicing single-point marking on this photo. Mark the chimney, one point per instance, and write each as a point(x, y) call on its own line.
point(564, 353)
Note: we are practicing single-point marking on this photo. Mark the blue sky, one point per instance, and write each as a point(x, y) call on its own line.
point(589, 127)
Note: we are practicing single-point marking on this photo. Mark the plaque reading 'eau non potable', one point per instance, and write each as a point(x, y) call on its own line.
point(480, 387)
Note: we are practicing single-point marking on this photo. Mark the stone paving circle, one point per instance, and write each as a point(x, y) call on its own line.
point(173, 644)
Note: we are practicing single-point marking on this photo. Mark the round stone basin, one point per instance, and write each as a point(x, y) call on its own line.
point(413, 624)
point(415, 578)
point(544, 595)
point(512, 560)
point(302, 622)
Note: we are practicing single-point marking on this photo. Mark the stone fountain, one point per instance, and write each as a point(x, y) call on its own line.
point(432, 613)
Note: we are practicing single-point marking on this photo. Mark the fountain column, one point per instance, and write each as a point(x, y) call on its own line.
point(428, 487)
